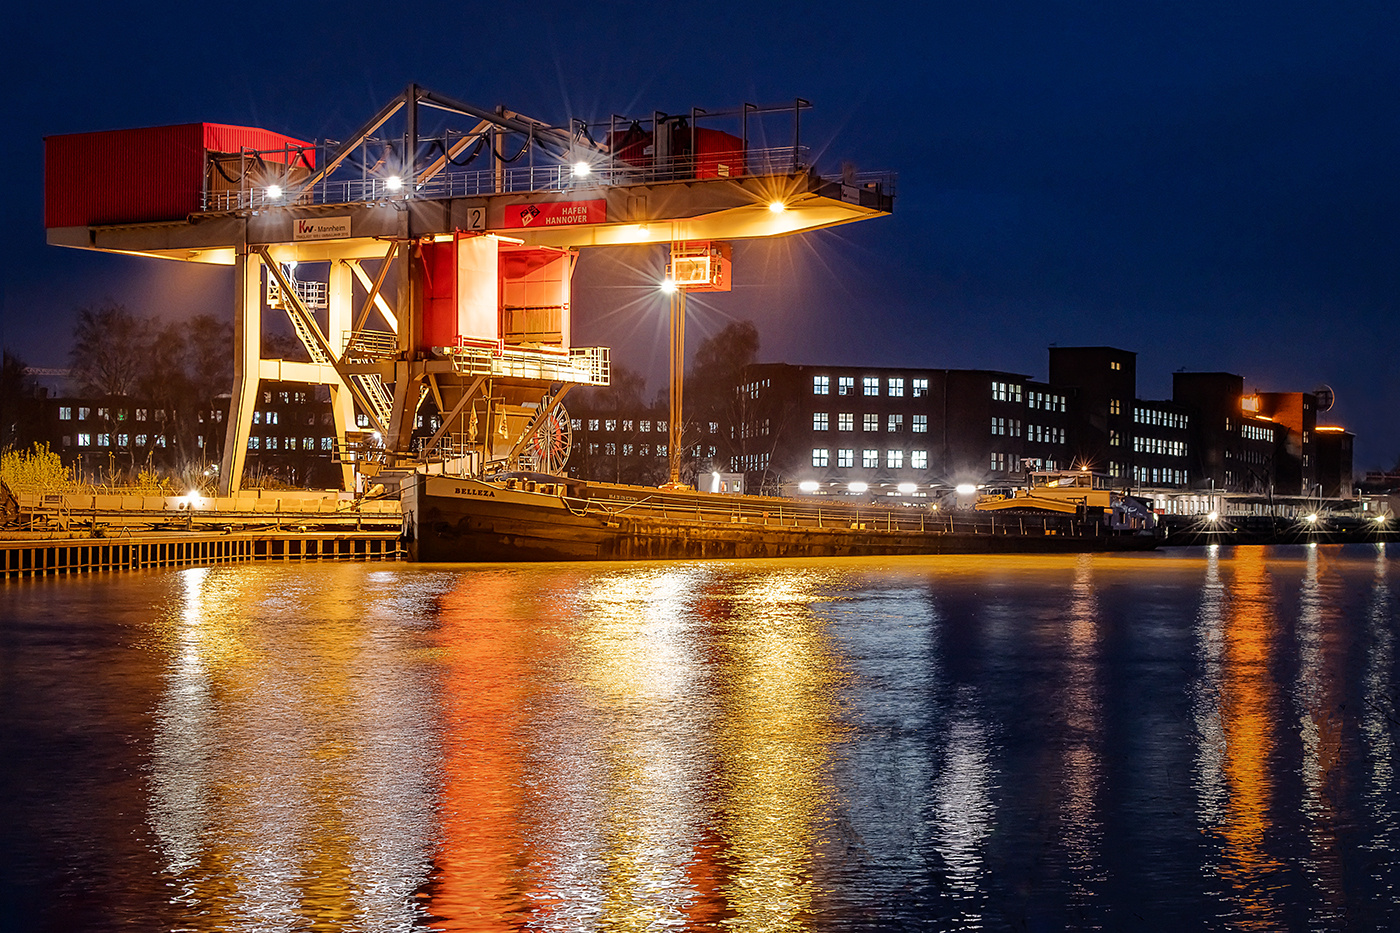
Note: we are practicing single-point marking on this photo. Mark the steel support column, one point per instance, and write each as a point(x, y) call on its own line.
point(247, 337)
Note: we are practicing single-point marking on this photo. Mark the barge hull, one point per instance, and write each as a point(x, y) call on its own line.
point(457, 520)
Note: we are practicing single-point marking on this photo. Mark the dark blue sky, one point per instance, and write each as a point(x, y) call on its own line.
point(1213, 185)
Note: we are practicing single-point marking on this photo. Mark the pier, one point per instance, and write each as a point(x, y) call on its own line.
point(80, 533)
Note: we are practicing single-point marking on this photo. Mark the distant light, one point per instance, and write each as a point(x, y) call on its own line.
point(1212, 516)
point(668, 285)
point(857, 487)
point(274, 191)
point(1084, 468)
point(192, 494)
point(291, 265)
point(393, 183)
point(809, 485)
point(1311, 518)
point(715, 481)
point(582, 169)
point(906, 488)
point(965, 489)
point(1380, 519)
point(377, 437)
point(777, 207)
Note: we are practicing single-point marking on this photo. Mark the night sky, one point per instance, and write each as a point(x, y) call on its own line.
point(1212, 185)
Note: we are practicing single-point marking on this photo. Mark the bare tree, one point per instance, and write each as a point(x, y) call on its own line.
point(110, 348)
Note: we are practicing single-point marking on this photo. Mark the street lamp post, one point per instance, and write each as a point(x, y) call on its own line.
point(677, 376)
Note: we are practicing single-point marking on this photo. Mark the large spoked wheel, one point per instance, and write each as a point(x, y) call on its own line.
point(550, 445)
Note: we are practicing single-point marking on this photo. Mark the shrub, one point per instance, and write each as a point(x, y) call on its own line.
point(37, 470)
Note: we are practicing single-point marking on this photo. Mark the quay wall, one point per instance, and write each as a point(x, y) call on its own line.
point(63, 555)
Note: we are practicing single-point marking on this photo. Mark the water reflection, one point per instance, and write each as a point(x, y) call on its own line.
point(959, 743)
point(287, 786)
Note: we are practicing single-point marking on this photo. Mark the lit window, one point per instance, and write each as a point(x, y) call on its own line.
point(661, 450)
point(327, 443)
point(871, 422)
point(1115, 406)
point(291, 443)
point(920, 425)
point(1115, 365)
point(999, 462)
point(819, 456)
point(661, 427)
point(821, 385)
point(819, 422)
point(253, 443)
point(845, 421)
point(271, 444)
point(846, 457)
point(123, 440)
point(896, 423)
point(610, 450)
point(918, 459)
point(592, 424)
point(627, 425)
point(870, 458)
point(104, 440)
point(871, 385)
point(83, 413)
point(141, 440)
point(896, 386)
point(644, 426)
point(84, 440)
point(627, 450)
point(361, 421)
point(920, 388)
point(846, 385)
point(610, 424)
point(308, 443)
point(65, 414)
point(894, 459)
point(1115, 439)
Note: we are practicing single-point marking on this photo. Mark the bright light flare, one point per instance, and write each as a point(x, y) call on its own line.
point(906, 488)
point(668, 286)
point(809, 485)
point(857, 487)
point(777, 207)
point(1310, 518)
point(393, 183)
point(1213, 516)
point(274, 192)
point(965, 489)
point(582, 169)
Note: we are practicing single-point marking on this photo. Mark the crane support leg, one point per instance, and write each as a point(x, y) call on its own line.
point(247, 337)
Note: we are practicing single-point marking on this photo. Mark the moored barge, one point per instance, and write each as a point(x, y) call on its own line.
point(535, 517)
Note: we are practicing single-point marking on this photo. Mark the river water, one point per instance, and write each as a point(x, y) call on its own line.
point(1193, 739)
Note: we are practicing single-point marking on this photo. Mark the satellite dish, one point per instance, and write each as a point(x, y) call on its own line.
point(1326, 398)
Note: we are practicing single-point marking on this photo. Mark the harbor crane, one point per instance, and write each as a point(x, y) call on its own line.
point(416, 262)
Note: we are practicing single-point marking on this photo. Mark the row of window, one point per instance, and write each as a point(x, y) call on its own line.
point(1045, 401)
point(643, 450)
point(748, 462)
point(1006, 392)
point(1158, 476)
point(84, 412)
point(1156, 445)
point(1254, 432)
point(629, 426)
point(123, 440)
point(870, 385)
point(846, 421)
point(1165, 419)
point(869, 458)
point(290, 443)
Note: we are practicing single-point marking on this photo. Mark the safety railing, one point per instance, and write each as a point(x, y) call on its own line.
point(363, 346)
point(583, 365)
point(588, 174)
